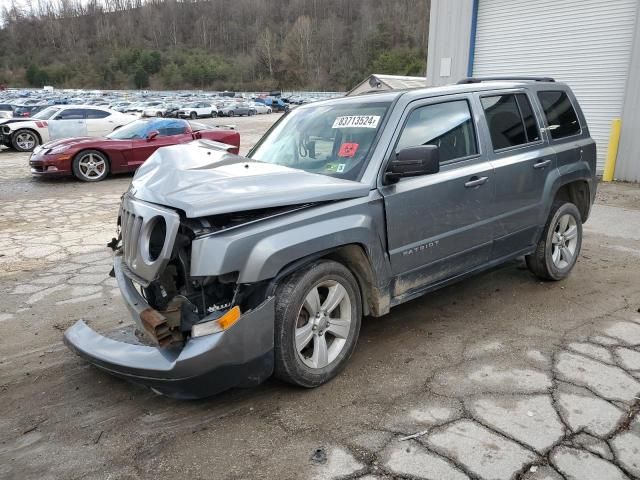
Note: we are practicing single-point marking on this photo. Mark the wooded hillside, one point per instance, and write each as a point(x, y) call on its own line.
point(212, 44)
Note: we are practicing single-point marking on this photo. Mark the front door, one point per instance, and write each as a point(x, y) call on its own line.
point(70, 122)
point(440, 225)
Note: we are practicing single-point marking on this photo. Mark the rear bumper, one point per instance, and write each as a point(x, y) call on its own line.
point(204, 366)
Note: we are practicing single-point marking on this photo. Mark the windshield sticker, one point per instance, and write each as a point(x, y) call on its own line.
point(348, 150)
point(340, 168)
point(357, 121)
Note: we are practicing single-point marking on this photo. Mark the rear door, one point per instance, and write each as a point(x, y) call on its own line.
point(99, 122)
point(439, 225)
point(522, 160)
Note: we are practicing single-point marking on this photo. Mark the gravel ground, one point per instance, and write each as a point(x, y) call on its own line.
point(500, 376)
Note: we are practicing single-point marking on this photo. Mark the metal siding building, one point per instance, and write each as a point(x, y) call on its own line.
point(593, 46)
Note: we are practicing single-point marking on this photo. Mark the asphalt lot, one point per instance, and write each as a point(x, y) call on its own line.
point(500, 376)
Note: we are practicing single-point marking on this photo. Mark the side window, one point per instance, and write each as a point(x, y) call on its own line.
point(530, 123)
point(447, 125)
point(93, 114)
point(510, 120)
point(561, 116)
point(172, 128)
point(71, 114)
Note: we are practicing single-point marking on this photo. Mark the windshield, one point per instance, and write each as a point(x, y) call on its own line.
point(46, 114)
point(331, 140)
point(142, 128)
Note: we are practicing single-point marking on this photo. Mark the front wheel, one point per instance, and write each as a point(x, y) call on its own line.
point(231, 114)
point(193, 115)
point(90, 166)
point(25, 140)
point(318, 316)
point(214, 114)
point(559, 247)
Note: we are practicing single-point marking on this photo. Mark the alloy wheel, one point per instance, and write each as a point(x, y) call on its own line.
point(92, 166)
point(323, 325)
point(564, 241)
point(26, 141)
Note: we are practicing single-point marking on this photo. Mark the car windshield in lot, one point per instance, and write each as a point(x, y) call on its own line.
point(142, 128)
point(330, 140)
point(46, 114)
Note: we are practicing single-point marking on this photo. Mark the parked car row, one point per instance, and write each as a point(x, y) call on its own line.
point(91, 159)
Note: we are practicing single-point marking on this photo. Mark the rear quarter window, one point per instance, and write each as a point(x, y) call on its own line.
point(560, 114)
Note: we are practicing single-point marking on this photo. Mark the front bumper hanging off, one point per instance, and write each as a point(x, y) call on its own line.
point(204, 366)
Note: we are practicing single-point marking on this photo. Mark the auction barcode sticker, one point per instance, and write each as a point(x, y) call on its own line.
point(357, 121)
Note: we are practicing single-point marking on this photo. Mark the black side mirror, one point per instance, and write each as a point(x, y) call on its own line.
point(413, 162)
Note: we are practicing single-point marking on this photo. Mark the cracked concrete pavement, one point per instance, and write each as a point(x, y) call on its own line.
point(497, 377)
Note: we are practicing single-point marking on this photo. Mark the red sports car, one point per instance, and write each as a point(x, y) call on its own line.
point(124, 150)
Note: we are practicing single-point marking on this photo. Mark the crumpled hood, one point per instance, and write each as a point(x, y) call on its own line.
point(5, 121)
point(203, 181)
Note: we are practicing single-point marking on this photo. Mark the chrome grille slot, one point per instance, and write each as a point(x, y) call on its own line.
point(136, 218)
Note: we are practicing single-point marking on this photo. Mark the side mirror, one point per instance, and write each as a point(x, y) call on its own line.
point(413, 162)
point(152, 135)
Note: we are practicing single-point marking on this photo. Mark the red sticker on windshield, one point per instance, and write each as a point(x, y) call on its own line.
point(348, 149)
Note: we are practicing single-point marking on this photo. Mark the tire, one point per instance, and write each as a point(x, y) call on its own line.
point(231, 114)
point(193, 115)
point(269, 110)
point(159, 114)
point(25, 140)
point(251, 113)
point(559, 247)
point(214, 114)
point(306, 366)
point(85, 170)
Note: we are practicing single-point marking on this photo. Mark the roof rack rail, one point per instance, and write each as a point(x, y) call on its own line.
point(490, 79)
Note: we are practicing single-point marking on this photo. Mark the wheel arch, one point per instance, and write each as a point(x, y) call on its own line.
point(577, 192)
point(355, 258)
point(32, 130)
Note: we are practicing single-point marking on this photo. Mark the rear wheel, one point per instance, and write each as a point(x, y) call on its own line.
point(558, 249)
point(214, 114)
point(25, 140)
point(159, 114)
point(90, 166)
point(231, 114)
point(193, 115)
point(318, 316)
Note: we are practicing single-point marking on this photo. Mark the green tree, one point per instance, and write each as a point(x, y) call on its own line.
point(141, 78)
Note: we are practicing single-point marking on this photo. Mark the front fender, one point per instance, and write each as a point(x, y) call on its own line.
point(259, 251)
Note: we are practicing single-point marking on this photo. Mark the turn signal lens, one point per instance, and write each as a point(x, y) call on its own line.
point(221, 324)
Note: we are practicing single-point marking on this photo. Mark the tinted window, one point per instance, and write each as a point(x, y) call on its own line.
point(561, 116)
point(97, 114)
point(530, 123)
point(447, 125)
point(504, 121)
point(71, 114)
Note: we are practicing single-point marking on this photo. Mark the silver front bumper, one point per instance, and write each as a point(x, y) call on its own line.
point(239, 356)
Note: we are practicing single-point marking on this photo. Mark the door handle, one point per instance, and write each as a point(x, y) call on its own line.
point(476, 182)
point(542, 164)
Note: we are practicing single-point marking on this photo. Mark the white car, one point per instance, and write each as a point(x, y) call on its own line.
point(60, 121)
point(198, 109)
point(260, 107)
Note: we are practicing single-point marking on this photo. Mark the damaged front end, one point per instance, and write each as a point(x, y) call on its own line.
point(202, 334)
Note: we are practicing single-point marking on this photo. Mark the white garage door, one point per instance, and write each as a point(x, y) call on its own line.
point(585, 43)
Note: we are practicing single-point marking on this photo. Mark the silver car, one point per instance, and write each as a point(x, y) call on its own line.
point(236, 268)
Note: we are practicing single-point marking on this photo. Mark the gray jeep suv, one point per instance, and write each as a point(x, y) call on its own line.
point(236, 268)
